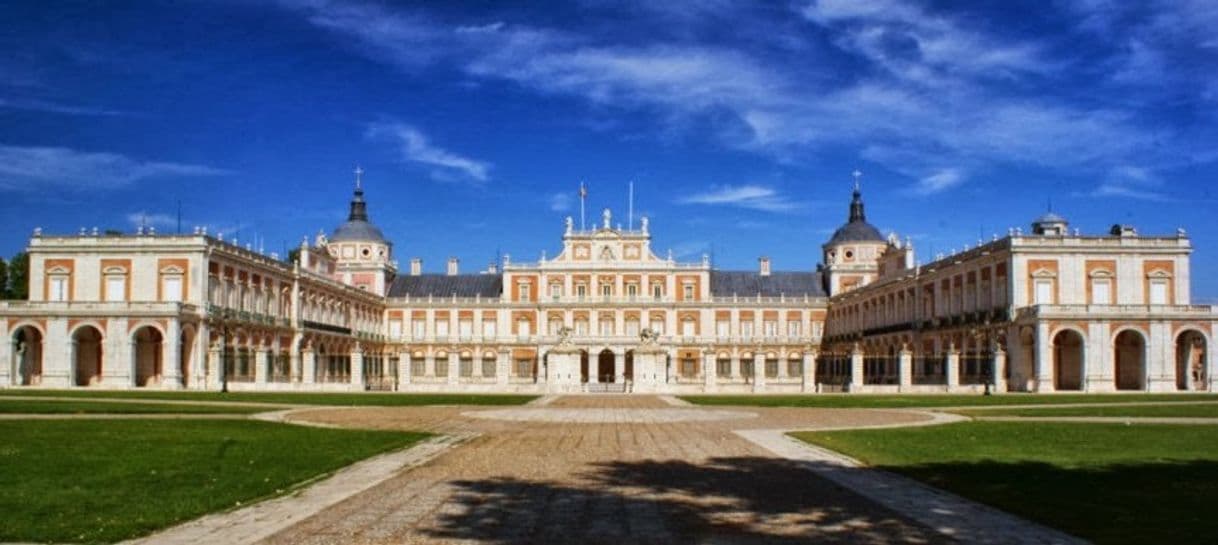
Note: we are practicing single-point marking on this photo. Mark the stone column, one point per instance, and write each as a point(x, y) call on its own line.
point(953, 367)
point(261, 364)
point(216, 370)
point(782, 366)
point(308, 366)
point(594, 367)
point(429, 364)
point(710, 370)
point(476, 372)
point(999, 369)
point(357, 368)
point(735, 371)
point(454, 366)
point(759, 370)
point(404, 369)
point(1044, 359)
point(171, 356)
point(619, 367)
point(808, 373)
point(503, 366)
point(294, 362)
point(9, 364)
point(904, 369)
point(856, 368)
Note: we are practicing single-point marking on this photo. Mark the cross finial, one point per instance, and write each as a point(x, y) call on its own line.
point(857, 174)
point(359, 172)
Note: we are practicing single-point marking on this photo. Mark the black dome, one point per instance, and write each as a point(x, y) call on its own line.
point(856, 228)
point(357, 227)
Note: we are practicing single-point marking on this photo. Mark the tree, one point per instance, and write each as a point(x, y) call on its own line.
point(4, 293)
point(19, 277)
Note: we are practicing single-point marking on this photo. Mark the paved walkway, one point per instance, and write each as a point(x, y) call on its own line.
point(642, 476)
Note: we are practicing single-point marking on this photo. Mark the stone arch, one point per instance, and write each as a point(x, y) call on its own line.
point(1129, 359)
point(1192, 360)
point(604, 366)
point(146, 354)
point(27, 354)
point(87, 355)
point(1069, 357)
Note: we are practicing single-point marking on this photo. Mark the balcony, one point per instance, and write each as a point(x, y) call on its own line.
point(1116, 311)
point(96, 307)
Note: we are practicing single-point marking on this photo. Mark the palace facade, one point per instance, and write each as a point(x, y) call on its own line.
point(1051, 310)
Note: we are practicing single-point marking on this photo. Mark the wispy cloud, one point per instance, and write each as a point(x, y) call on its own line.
point(40, 168)
point(939, 181)
point(754, 197)
point(1131, 182)
point(56, 108)
point(560, 202)
point(415, 147)
point(154, 219)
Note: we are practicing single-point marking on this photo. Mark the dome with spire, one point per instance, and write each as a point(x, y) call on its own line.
point(357, 227)
point(856, 228)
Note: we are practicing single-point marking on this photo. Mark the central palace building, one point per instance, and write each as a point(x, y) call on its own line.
point(1045, 310)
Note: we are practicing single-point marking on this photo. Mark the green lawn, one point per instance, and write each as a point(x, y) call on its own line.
point(348, 399)
point(1109, 483)
point(884, 401)
point(84, 406)
point(104, 481)
point(1172, 410)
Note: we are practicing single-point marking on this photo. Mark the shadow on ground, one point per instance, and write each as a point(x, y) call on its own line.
point(723, 500)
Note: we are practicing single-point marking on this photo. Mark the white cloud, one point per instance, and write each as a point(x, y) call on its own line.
point(154, 219)
point(939, 181)
point(40, 168)
point(754, 197)
point(1131, 182)
point(414, 147)
point(56, 108)
point(560, 202)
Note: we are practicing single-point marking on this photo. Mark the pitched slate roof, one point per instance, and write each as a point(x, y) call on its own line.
point(443, 285)
point(752, 283)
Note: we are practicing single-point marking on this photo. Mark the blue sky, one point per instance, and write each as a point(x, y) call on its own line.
point(739, 122)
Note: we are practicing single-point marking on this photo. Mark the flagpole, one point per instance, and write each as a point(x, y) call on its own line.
point(630, 213)
point(583, 195)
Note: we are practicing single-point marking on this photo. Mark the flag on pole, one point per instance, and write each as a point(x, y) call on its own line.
point(583, 191)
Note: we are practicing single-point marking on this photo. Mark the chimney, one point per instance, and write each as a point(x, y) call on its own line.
point(763, 263)
point(452, 266)
point(416, 266)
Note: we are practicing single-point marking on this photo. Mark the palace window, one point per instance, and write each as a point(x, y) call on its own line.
point(723, 366)
point(632, 290)
point(555, 291)
point(632, 327)
point(465, 328)
point(1101, 291)
point(395, 329)
point(1044, 291)
point(689, 367)
point(723, 328)
point(523, 367)
point(771, 367)
point(794, 329)
point(59, 285)
point(1158, 292)
point(606, 323)
point(466, 363)
point(488, 328)
point(419, 329)
point(746, 329)
point(689, 292)
point(581, 290)
point(525, 292)
point(795, 366)
point(442, 327)
point(581, 326)
point(524, 328)
point(657, 291)
point(658, 325)
point(171, 285)
point(418, 365)
point(441, 364)
point(555, 325)
point(771, 328)
point(687, 327)
point(116, 285)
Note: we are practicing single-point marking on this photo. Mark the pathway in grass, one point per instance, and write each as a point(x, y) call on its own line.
point(304, 398)
point(103, 481)
point(1107, 483)
point(863, 401)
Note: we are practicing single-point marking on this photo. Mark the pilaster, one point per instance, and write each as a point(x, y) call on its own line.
point(904, 369)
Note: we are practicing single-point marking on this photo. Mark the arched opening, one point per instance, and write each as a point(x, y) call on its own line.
point(1191, 361)
point(147, 347)
point(583, 366)
point(1130, 351)
point(629, 366)
point(27, 356)
point(1068, 360)
point(604, 366)
point(87, 364)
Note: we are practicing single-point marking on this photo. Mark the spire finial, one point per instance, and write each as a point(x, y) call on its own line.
point(857, 174)
point(359, 181)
